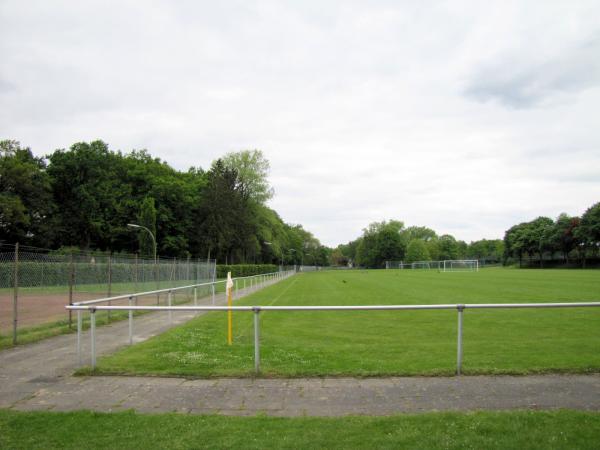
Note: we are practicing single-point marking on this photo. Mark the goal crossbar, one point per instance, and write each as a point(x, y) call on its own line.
point(460, 265)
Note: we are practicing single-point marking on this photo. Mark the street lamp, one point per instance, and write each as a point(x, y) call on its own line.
point(134, 225)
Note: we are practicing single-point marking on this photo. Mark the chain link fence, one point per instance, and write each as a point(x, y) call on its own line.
point(35, 284)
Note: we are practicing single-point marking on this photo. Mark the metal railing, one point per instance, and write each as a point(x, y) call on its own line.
point(253, 282)
point(257, 309)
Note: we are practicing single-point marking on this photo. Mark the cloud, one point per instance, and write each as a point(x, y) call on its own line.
point(463, 116)
point(7, 86)
point(525, 83)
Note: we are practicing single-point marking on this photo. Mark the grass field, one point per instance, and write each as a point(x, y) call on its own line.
point(367, 343)
point(484, 430)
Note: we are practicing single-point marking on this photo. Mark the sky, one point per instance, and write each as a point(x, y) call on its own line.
point(466, 117)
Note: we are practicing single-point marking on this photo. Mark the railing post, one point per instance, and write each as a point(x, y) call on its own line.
point(15, 309)
point(79, 327)
point(459, 346)
point(195, 296)
point(93, 336)
point(71, 278)
point(170, 300)
point(256, 340)
point(213, 292)
point(109, 283)
point(130, 321)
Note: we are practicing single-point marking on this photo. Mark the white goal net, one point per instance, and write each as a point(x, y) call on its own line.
point(414, 265)
point(460, 265)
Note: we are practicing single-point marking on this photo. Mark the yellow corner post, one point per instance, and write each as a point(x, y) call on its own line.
point(229, 288)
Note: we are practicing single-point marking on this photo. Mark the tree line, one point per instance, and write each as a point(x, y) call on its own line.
point(393, 241)
point(85, 196)
point(568, 237)
point(542, 239)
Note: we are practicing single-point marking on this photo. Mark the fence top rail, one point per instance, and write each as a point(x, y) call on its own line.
point(458, 306)
point(162, 291)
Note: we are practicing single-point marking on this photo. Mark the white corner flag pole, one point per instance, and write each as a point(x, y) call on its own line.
point(228, 290)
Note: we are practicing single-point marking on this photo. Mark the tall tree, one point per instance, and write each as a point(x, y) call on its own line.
point(253, 169)
point(417, 251)
point(220, 208)
point(561, 236)
point(514, 241)
point(536, 237)
point(448, 247)
point(88, 188)
point(380, 242)
point(423, 233)
point(26, 203)
point(588, 231)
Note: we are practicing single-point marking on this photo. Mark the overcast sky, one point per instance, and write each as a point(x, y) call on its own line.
point(467, 117)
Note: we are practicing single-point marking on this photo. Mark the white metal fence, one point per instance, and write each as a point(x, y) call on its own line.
point(460, 308)
point(240, 284)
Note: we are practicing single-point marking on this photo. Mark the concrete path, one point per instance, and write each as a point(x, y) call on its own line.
point(38, 376)
point(313, 397)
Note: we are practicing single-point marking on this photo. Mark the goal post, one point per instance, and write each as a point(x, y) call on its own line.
point(423, 265)
point(448, 265)
point(460, 265)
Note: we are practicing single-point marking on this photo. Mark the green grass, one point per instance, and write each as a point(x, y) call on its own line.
point(27, 335)
point(483, 430)
point(368, 343)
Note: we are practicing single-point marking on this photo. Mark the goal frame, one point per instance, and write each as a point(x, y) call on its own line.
point(473, 265)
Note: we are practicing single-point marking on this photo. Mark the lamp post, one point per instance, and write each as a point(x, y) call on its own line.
point(270, 244)
point(134, 225)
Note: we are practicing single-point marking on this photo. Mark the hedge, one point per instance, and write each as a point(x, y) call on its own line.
point(244, 270)
point(46, 273)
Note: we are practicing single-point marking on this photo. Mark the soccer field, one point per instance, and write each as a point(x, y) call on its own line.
point(369, 343)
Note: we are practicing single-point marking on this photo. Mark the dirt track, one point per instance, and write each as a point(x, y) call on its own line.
point(37, 309)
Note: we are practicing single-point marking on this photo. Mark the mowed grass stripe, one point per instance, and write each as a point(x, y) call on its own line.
point(371, 343)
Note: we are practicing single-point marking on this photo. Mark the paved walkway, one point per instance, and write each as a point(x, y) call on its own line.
point(38, 377)
point(299, 397)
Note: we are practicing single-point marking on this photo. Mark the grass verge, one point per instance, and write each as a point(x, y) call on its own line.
point(489, 430)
